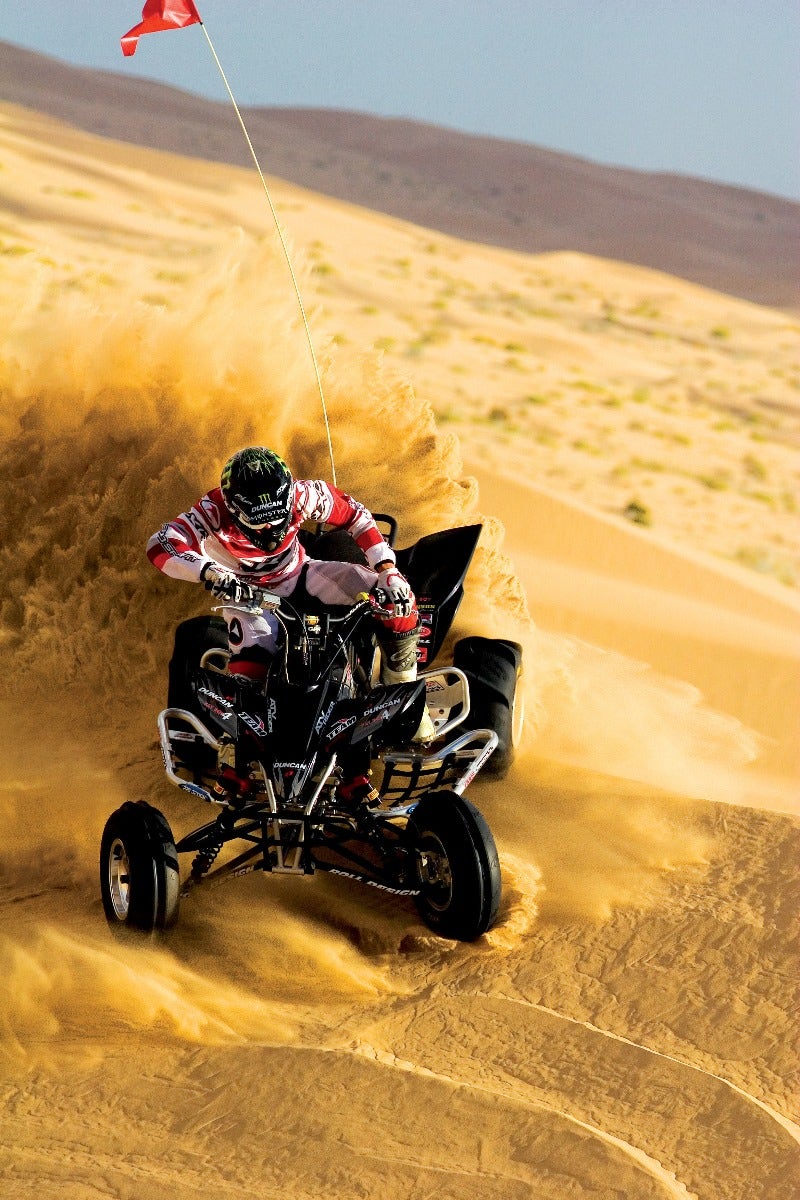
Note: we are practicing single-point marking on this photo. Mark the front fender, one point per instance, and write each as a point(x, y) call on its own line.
point(388, 714)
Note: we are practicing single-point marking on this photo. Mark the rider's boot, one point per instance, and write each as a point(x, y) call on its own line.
point(399, 665)
point(230, 780)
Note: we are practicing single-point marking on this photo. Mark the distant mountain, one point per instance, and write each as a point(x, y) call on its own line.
point(484, 189)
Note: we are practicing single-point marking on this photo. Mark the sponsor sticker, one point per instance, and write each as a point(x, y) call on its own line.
point(339, 727)
point(223, 700)
point(382, 887)
point(254, 723)
point(322, 719)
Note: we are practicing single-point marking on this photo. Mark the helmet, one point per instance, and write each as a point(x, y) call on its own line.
point(257, 488)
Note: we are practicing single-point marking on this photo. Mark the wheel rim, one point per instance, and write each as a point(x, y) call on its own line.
point(434, 872)
point(119, 879)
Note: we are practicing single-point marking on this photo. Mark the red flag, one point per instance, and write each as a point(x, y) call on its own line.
point(157, 15)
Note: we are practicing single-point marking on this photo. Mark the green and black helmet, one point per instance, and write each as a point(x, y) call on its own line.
point(257, 487)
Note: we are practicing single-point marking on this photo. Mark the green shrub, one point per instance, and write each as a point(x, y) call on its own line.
point(754, 467)
point(717, 481)
point(638, 513)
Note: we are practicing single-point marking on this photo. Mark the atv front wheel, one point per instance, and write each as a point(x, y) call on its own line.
point(493, 667)
point(456, 866)
point(139, 875)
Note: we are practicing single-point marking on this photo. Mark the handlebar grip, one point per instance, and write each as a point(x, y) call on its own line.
point(267, 600)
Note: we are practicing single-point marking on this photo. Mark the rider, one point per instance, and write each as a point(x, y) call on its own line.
point(243, 534)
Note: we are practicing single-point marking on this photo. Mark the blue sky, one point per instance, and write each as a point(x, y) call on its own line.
point(698, 87)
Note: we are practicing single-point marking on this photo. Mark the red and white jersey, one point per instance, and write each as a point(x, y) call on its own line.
point(207, 533)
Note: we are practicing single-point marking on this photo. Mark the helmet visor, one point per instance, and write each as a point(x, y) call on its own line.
point(266, 523)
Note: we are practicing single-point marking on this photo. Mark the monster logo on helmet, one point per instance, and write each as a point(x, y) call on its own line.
point(257, 488)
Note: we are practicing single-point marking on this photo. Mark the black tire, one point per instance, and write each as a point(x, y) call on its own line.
point(493, 667)
point(139, 873)
point(456, 866)
point(192, 639)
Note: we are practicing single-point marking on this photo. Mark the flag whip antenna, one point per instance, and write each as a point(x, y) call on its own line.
point(285, 249)
point(177, 14)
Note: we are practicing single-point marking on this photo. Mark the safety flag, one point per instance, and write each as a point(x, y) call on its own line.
point(158, 15)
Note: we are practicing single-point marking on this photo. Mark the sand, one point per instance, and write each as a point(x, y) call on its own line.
point(628, 1029)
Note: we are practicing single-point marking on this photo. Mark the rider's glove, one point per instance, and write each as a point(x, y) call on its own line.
point(226, 586)
point(392, 591)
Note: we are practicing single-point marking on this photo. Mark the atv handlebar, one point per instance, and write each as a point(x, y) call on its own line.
point(265, 601)
point(368, 598)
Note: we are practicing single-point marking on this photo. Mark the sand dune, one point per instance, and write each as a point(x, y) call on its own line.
point(629, 1026)
point(691, 618)
point(504, 193)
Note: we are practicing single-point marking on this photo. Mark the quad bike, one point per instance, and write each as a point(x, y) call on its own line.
point(317, 771)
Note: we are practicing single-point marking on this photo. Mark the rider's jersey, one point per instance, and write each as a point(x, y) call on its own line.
point(207, 533)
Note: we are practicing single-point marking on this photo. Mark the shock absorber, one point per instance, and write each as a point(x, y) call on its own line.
point(204, 860)
point(206, 856)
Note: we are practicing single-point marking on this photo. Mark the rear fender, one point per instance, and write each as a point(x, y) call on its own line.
point(436, 567)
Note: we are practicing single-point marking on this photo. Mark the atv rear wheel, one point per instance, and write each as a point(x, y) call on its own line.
point(493, 667)
point(139, 874)
point(456, 866)
point(192, 639)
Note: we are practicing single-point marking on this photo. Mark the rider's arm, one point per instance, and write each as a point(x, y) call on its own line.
point(320, 501)
point(176, 549)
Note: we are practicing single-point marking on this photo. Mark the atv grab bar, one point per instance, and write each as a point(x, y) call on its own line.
point(182, 714)
point(446, 689)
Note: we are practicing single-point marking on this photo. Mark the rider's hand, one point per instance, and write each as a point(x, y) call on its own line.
point(392, 591)
point(226, 586)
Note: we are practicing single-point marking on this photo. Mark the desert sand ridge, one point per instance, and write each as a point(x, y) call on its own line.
point(659, 562)
point(671, 1185)
point(483, 189)
point(629, 1028)
point(790, 1126)
point(684, 614)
